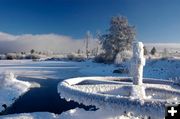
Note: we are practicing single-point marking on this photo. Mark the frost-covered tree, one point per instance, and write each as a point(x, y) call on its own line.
point(153, 51)
point(119, 37)
point(123, 56)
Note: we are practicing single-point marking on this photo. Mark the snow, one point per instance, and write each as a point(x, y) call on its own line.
point(111, 95)
point(162, 68)
point(99, 114)
point(117, 97)
point(38, 69)
point(96, 69)
point(71, 114)
point(35, 115)
point(110, 103)
point(137, 63)
point(11, 89)
point(138, 91)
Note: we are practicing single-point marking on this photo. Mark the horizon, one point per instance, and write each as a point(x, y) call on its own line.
point(57, 43)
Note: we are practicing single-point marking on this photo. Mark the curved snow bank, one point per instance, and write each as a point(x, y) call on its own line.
point(112, 96)
point(11, 89)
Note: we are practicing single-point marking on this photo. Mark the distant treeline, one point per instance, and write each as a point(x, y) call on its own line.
point(11, 56)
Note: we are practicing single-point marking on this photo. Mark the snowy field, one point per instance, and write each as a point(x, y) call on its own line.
point(159, 69)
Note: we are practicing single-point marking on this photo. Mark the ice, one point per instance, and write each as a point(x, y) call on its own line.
point(155, 89)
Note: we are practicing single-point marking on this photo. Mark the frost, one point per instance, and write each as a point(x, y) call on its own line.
point(118, 97)
point(137, 63)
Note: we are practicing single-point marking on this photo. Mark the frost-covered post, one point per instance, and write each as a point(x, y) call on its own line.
point(137, 63)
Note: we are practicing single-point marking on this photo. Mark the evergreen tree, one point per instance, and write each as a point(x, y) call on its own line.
point(153, 51)
point(119, 37)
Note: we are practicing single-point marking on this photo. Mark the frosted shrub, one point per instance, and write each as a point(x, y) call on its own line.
point(123, 56)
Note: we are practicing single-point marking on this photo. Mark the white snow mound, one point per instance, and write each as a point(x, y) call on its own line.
point(11, 89)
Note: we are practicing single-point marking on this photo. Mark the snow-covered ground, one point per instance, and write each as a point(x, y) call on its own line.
point(160, 69)
point(154, 68)
point(71, 114)
point(11, 89)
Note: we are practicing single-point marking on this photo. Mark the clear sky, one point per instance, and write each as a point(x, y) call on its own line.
point(155, 20)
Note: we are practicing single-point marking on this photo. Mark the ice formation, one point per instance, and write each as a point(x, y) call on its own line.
point(137, 63)
point(95, 93)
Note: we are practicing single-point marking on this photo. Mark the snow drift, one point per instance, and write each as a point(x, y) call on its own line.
point(11, 89)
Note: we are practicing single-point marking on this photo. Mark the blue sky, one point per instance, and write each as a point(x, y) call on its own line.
point(155, 20)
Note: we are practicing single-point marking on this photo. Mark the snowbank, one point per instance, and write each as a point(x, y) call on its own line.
point(11, 89)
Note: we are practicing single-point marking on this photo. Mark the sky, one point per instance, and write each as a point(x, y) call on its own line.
point(156, 21)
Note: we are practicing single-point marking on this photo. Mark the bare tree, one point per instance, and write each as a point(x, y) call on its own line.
point(87, 40)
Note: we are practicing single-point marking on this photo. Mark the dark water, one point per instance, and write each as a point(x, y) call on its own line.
point(45, 98)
